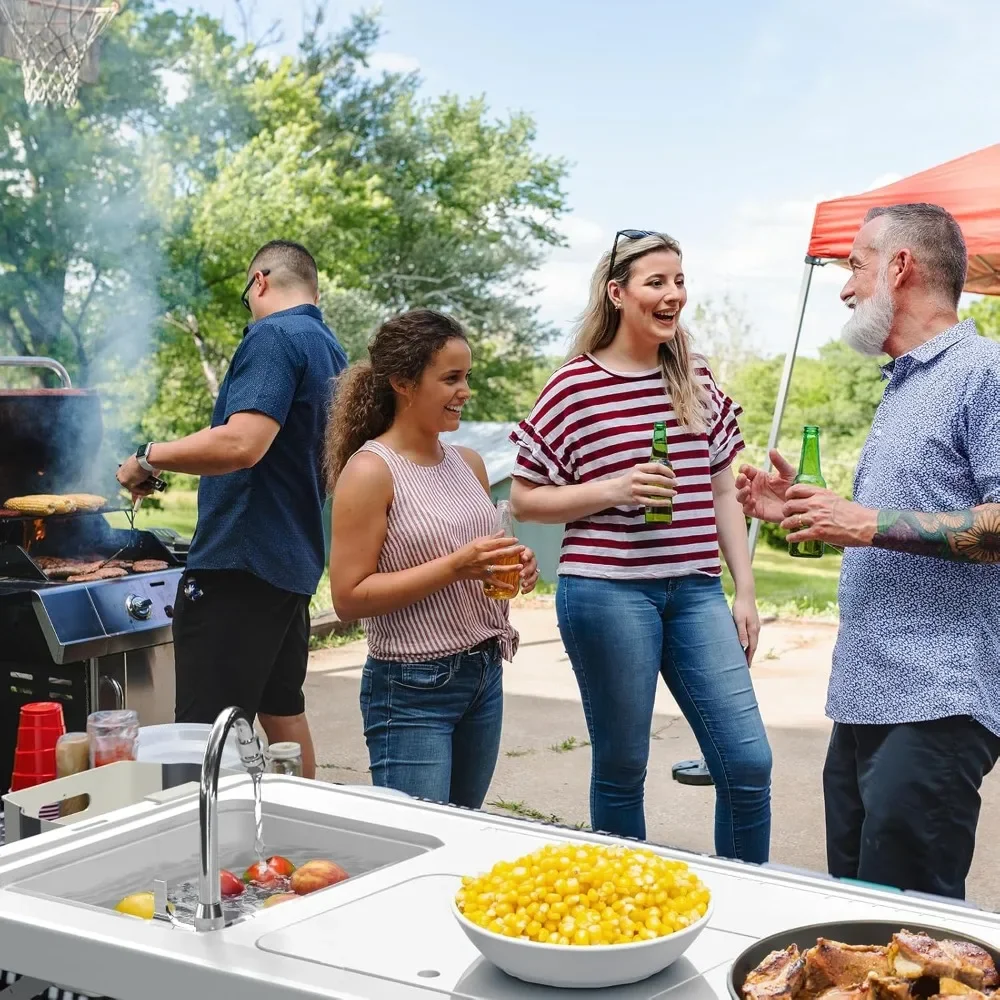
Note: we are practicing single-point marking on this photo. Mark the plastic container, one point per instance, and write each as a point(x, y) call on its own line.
point(184, 743)
point(113, 736)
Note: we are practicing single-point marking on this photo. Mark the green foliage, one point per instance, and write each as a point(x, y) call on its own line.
point(986, 313)
point(127, 223)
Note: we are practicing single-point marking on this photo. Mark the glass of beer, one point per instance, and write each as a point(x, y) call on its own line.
point(507, 584)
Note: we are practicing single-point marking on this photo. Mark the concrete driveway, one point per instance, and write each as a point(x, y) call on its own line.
point(544, 768)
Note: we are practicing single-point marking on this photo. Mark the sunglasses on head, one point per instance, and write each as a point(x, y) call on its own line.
point(629, 234)
point(245, 297)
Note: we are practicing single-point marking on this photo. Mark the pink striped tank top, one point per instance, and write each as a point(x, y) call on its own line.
point(436, 510)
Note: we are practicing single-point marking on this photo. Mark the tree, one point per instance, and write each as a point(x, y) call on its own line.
point(126, 223)
point(723, 333)
point(986, 313)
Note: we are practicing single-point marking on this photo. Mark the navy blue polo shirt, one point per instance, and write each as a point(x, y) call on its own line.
point(268, 520)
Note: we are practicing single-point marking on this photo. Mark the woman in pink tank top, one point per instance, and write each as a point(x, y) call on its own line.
point(414, 542)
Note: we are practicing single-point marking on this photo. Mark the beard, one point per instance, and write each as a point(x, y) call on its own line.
point(868, 328)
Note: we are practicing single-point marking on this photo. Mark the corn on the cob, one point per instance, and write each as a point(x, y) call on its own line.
point(86, 501)
point(41, 504)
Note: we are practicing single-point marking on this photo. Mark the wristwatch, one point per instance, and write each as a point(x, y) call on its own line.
point(140, 457)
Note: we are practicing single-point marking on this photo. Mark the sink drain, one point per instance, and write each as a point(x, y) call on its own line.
point(428, 973)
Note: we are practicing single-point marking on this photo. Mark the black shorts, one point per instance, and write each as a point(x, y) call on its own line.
point(238, 641)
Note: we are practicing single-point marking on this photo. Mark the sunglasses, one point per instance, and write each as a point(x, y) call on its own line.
point(245, 297)
point(629, 234)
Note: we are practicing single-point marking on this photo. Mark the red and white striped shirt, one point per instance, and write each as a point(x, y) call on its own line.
point(592, 423)
point(434, 511)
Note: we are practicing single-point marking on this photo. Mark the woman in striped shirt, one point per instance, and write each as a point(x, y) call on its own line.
point(636, 599)
point(413, 544)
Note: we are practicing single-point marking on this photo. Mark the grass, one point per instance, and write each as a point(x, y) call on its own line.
point(786, 587)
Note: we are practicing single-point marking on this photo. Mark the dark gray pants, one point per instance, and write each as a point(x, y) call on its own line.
point(902, 802)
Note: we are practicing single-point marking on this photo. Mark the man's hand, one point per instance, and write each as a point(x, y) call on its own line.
point(762, 494)
point(814, 514)
point(135, 478)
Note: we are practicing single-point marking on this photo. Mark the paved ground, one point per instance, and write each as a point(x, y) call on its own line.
point(542, 772)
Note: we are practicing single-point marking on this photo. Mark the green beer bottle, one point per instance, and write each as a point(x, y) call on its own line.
point(809, 472)
point(660, 515)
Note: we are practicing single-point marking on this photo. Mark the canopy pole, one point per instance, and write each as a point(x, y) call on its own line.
point(785, 385)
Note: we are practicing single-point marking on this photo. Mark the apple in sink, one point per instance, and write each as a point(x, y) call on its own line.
point(268, 872)
point(280, 866)
point(230, 885)
point(314, 875)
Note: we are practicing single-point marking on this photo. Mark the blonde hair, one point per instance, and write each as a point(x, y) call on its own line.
point(598, 327)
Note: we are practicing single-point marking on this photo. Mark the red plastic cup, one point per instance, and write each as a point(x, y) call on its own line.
point(40, 762)
point(38, 737)
point(18, 781)
point(42, 714)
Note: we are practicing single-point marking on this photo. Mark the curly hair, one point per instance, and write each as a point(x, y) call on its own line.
point(364, 404)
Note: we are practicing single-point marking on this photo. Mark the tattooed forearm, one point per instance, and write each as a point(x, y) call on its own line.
point(961, 536)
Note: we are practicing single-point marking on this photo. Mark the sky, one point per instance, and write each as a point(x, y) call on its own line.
point(720, 123)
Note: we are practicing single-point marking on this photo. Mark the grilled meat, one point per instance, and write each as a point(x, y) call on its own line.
point(780, 976)
point(69, 567)
point(107, 573)
point(914, 955)
point(953, 988)
point(148, 565)
point(831, 963)
point(860, 992)
point(889, 987)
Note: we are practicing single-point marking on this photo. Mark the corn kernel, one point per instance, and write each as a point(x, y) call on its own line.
point(585, 895)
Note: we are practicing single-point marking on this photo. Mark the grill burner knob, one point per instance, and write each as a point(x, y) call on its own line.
point(138, 607)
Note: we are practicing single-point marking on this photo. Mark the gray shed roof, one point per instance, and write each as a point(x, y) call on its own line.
point(492, 441)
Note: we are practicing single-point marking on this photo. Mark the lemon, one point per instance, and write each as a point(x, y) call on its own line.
point(139, 904)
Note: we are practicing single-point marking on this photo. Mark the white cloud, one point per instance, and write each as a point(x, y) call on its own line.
point(393, 62)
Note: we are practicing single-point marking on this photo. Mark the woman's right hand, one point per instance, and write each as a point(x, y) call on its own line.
point(648, 485)
point(482, 558)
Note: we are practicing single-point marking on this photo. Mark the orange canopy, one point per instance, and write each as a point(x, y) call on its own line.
point(968, 187)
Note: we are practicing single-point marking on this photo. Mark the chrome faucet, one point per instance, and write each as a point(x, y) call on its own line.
point(209, 915)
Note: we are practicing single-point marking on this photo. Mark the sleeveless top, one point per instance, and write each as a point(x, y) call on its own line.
point(436, 510)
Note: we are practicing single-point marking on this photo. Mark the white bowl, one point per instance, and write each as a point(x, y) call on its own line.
point(580, 966)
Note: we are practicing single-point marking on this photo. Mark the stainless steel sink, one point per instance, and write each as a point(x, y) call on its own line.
point(171, 853)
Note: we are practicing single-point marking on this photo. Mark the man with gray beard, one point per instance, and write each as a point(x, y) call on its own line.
point(915, 687)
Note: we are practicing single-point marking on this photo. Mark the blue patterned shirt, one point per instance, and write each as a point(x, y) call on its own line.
point(919, 637)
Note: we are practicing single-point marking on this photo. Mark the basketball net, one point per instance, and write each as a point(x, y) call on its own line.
point(52, 39)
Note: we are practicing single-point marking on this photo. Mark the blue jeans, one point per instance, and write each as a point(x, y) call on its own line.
point(620, 636)
point(433, 729)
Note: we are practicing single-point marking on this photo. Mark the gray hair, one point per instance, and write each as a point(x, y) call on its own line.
point(935, 238)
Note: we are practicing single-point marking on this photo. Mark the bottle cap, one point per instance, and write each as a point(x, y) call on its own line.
point(284, 751)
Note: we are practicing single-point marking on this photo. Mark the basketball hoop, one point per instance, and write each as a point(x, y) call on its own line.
point(51, 39)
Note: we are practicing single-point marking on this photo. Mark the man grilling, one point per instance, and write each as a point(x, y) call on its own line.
point(241, 618)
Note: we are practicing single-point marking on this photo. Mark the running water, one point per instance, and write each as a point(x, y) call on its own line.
point(258, 815)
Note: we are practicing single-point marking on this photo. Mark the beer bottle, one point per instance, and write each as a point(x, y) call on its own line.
point(660, 515)
point(809, 472)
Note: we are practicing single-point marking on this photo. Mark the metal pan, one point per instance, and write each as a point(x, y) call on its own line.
point(845, 931)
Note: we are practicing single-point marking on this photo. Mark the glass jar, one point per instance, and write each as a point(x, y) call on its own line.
point(72, 757)
point(113, 735)
point(285, 758)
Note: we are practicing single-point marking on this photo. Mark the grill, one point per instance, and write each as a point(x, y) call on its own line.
point(89, 645)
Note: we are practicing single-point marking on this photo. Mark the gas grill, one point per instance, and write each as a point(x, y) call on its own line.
point(89, 645)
